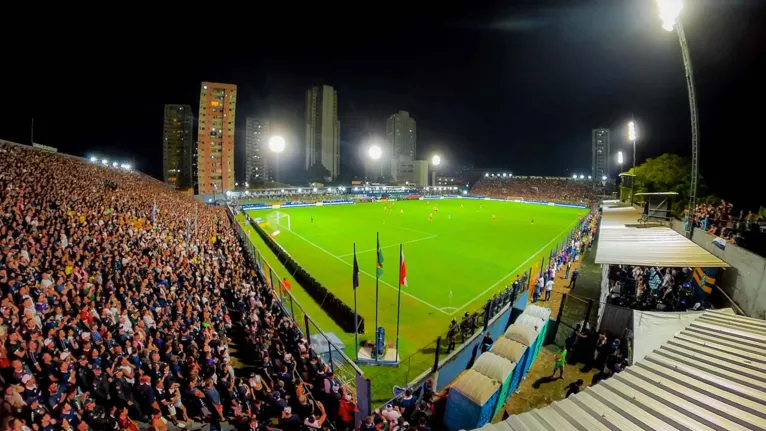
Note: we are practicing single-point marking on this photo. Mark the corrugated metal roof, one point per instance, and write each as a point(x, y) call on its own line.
point(710, 376)
point(622, 242)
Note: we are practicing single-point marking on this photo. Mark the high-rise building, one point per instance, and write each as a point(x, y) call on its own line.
point(323, 129)
point(215, 138)
point(177, 148)
point(601, 153)
point(256, 150)
point(401, 134)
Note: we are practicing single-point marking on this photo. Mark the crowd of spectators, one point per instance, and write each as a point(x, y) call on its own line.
point(718, 220)
point(652, 288)
point(120, 298)
point(565, 190)
point(608, 355)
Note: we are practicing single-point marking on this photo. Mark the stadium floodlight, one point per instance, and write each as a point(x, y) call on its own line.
point(236, 184)
point(104, 162)
point(407, 183)
point(426, 188)
point(486, 174)
point(582, 176)
point(669, 12)
point(375, 152)
point(356, 189)
point(632, 131)
point(436, 160)
point(603, 178)
point(504, 174)
point(93, 159)
point(300, 190)
point(115, 164)
point(277, 144)
point(619, 157)
point(465, 192)
point(314, 189)
point(574, 176)
point(247, 184)
point(283, 190)
point(589, 177)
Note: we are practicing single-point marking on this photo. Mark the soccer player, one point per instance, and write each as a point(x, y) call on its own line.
point(312, 219)
point(436, 208)
point(494, 216)
point(461, 206)
point(449, 216)
point(401, 211)
point(430, 216)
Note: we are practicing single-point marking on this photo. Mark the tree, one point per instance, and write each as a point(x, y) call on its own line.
point(667, 173)
point(317, 173)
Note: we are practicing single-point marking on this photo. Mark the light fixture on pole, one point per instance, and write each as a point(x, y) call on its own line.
point(435, 161)
point(632, 136)
point(375, 153)
point(277, 145)
point(670, 11)
point(620, 159)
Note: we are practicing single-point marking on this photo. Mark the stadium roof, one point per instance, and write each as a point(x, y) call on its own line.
point(622, 242)
point(710, 376)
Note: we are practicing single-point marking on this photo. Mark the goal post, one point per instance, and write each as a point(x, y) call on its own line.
point(279, 219)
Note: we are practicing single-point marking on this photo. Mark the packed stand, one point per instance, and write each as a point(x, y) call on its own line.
point(717, 219)
point(119, 298)
point(653, 288)
point(593, 350)
point(565, 190)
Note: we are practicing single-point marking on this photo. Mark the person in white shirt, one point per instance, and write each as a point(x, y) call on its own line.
point(548, 289)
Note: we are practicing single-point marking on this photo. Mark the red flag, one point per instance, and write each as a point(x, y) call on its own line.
point(402, 271)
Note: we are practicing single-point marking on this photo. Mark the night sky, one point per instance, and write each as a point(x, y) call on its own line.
point(513, 85)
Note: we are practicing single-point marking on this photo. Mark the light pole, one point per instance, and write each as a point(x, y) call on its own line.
point(277, 145)
point(670, 11)
point(632, 136)
point(435, 161)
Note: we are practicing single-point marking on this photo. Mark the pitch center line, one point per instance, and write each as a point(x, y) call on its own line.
point(370, 275)
point(388, 246)
point(533, 256)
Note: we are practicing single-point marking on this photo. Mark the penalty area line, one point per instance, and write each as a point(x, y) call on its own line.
point(370, 275)
point(388, 246)
point(533, 256)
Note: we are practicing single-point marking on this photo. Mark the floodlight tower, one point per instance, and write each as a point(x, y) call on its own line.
point(670, 11)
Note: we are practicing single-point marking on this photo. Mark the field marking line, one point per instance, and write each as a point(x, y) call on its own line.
point(406, 228)
point(389, 246)
point(533, 256)
point(370, 275)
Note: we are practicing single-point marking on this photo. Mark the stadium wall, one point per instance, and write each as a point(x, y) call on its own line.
point(341, 313)
point(745, 281)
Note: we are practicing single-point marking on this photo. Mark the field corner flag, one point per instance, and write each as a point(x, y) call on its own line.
point(402, 269)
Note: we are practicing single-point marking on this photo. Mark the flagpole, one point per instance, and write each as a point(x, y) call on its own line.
point(377, 277)
point(356, 318)
point(399, 303)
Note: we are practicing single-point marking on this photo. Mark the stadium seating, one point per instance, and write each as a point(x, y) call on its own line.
point(564, 190)
point(120, 299)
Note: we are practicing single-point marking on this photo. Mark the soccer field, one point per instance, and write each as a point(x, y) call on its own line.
point(470, 250)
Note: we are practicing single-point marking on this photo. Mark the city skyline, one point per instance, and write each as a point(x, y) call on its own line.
point(322, 129)
point(215, 137)
point(178, 146)
point(517, 85)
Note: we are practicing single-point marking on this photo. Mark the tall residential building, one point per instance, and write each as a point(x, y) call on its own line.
point(215, 138)
point(256, 150)
point(401, 134)
point(601, 153)
point(177, 146)
point(323, 129)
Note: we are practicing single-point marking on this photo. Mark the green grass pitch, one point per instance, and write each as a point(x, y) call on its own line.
point(470, 250)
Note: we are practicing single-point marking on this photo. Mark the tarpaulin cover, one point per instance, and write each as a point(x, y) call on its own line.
point(521, 333)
